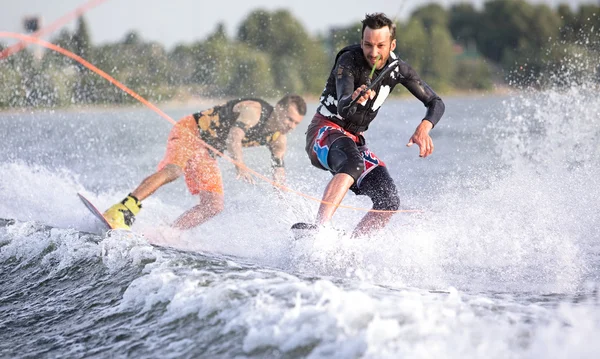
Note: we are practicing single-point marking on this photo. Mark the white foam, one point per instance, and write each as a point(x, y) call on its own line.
point(275, 311)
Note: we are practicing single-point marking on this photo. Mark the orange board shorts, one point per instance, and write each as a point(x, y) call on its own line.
point(186, 150)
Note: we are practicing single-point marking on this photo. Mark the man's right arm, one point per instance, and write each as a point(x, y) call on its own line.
point(249, 115)
point(344, 85)
point(234, 143)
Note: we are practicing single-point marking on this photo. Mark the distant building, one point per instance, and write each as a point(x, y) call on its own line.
point(31, 25)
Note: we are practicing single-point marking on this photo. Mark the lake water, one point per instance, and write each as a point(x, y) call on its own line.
point(502, 262)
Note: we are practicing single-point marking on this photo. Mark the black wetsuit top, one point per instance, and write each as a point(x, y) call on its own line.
point(215, 123)
point(351, 70)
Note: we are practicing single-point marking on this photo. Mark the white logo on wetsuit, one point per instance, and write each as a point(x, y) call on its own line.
point(384, 91)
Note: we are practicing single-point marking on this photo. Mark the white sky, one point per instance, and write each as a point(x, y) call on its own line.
point(185, 21)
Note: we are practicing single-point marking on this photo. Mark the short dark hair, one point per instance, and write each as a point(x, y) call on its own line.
point(376, 21)
point(296, 100)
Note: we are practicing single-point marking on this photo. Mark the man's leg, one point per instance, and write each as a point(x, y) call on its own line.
point(150, 184)
point(122, 214)
point(345, 161)
point(182, 144)
point(380, 187)
point(334, 194)
point(203, 178)
point(211, 204)
point(371, 222)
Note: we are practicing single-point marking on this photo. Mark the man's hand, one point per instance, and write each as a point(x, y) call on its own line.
point(366, 96)
point(422, 139)
point(244, 175)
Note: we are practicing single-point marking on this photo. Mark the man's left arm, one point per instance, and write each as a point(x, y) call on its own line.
point(435, 108)
point(278, 148)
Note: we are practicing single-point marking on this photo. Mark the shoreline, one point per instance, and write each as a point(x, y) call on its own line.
point(204, 102)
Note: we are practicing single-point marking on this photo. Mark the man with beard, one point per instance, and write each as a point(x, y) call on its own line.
point(335, 140)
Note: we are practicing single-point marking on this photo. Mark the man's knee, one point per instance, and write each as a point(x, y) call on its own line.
point(380, 187)
point(211, 202)
point(171, 172)
point(218, 206)
point(386, 200)
point(344, 157)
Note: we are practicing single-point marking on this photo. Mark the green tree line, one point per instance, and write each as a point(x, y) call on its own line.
point(460, 47)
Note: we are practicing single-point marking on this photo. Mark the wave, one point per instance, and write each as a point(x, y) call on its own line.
point(69, 293)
